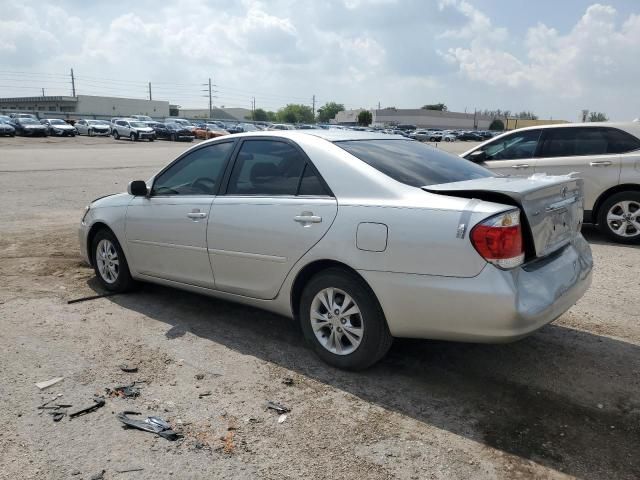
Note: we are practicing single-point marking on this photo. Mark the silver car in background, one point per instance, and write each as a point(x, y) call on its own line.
point(361, 237)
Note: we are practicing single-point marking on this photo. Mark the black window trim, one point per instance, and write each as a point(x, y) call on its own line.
point(188, 152)
point(308, 163)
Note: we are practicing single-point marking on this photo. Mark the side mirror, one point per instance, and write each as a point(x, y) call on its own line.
point(137, 188)
point(478, 156)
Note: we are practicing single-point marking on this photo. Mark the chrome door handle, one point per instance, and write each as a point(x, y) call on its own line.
point(307, 218)
point(520, 165)
point(601, 163)
point(196, 215)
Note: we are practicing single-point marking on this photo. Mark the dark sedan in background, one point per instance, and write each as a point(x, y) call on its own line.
point(29, 127)
point(6, 129)
point(171, 131)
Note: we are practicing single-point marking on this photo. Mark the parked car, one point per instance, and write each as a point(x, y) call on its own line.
point(142, 118)
point(173, 131)
point(93, 127)
point(29, 127)
point(448, 137)
point(210, 131)
point(181, 121)
point(420, 135)
point(6, 129)
point(474, 137)
point(133, 129)
point(58, 127)
point(279, 126)
point(269, 234)
point(605, 155)
point(23, 115)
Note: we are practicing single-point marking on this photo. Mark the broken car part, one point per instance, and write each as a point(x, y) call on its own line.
point(150, 424)
point(98, 402)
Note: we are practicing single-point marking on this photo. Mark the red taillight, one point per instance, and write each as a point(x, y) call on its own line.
point(498, 239)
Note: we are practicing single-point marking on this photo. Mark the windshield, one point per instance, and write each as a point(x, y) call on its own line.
point(138, 124)
point(413, 163)
point(57, 122)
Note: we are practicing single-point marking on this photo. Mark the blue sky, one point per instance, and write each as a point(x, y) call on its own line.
point(551, 57)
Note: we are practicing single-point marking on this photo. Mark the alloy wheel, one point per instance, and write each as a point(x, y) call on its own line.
point(107, 261)
point(336, 321)
point(623, 218)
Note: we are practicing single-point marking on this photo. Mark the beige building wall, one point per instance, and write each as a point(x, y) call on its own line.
point(513, 123)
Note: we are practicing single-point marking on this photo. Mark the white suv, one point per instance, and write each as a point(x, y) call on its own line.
point(605, 155)
point(134, 129)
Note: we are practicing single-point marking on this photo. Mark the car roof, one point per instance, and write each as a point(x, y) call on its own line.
point(631, 127)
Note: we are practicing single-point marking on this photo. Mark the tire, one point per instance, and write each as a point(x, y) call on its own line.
point(121, 280)
point(116, 135)
point(90, 132)
point(132, 137)
point(151, 139)
point(374, 340)
point(173, 137)
point(619, 217)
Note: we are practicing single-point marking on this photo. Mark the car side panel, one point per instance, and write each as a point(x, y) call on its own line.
point(630, 168)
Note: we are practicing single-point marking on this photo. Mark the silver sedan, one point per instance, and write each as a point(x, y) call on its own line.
point(361, 237)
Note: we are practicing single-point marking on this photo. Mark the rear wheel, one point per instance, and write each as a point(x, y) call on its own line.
point(619, 217)
point(110, 263)
point(116, 135)
point(343, 321)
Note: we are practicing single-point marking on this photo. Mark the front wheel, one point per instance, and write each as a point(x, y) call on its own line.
point(110, 263)
point(173, 137)
point(132, 137)
point(343, 321)
point(619, 217)
point(116, 135)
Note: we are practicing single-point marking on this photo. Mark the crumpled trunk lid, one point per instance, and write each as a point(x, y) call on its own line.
point(552, 205)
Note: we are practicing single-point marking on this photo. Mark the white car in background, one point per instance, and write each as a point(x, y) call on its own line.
point(92, 127)
point(133, 129)
point(605, 155)
point(57, 126)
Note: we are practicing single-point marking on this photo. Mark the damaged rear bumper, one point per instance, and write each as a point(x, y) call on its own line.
point(495, 306)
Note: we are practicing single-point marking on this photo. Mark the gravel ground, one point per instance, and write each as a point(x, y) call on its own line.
point(562, 403)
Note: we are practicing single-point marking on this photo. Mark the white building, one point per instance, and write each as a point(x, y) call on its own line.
point(419, 117)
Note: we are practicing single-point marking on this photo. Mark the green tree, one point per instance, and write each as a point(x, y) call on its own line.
point(526, 115)
point(365, 118)
point(598, 117)
point(329, 111)
point(497, 124)
point(295, 113)
point(435, 106)
point(259, 115)
point(272, 116)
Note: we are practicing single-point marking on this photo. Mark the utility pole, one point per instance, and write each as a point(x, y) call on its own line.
point(150, 96)
point(253, 108)
point(210, 101)
point(73, 84)
point(43, 92)
point(378, 105)
point(210, 94)
point(313, 108)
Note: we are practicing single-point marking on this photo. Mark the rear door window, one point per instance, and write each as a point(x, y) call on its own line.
point(266, 167)
point(621, 142)
point(413, 163)
point(572, 142)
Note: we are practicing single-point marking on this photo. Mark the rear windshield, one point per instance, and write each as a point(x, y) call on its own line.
point(413, 163)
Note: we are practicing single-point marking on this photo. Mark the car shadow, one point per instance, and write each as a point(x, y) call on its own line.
point(593, 235)
point(564, 398)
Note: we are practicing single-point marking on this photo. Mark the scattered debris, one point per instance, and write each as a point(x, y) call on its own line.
point(199, 376)
point(76, 472)
point(99, 476)
point(277, 407)
point(124, 391)
point(150, 424)
point(135, 469)
point(48, 383)
point(92, 297)
point(57, 416)
point(204, 394)
point(127, 369)
point(600, 406)
point(98, 403)
point(288, 381)
point(229, 445)
point(282, 418)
